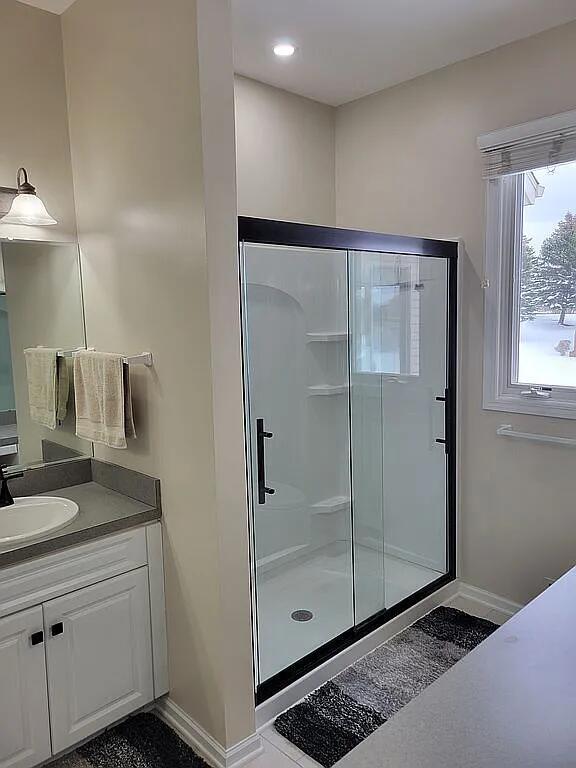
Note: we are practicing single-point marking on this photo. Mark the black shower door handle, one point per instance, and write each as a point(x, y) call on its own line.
point(262, 435)
point(444, 440)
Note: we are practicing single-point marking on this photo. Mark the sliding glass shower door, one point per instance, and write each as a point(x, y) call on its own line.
point(296, 355)
point(349, 378)
point(398, 306)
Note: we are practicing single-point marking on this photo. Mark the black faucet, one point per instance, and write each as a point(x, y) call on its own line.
point(6, 499)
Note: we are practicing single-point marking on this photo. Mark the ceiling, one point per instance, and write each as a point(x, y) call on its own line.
point(56, 6)
point(349, 48)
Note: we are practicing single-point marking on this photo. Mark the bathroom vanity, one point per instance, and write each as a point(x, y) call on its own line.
point(82, 621)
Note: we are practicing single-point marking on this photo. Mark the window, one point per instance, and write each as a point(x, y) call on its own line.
point(387, 313)
point(530, 286)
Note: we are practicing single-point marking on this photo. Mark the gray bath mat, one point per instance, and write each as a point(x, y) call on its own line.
point(334, 719)
point(142, 741)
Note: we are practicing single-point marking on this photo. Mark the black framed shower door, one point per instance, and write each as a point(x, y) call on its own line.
point(349, 346)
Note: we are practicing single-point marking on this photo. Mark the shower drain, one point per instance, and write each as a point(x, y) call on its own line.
point(302, 615)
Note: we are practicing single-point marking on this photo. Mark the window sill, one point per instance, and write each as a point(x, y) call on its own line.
point(557, 409)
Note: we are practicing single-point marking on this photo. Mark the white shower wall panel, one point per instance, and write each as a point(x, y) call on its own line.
point(293, 295)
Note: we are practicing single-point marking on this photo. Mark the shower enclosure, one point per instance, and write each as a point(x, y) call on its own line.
point(349, 363)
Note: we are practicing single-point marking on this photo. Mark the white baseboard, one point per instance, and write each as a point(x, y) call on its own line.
point(203, 743)
point(489, 600)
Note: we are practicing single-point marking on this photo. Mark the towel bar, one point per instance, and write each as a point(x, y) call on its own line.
point(143, 359)
point(505, 430)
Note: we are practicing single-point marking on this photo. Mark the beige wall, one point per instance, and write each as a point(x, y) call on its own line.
point(406, 162)
point(220, 203)
point(285, 154)
point(146, 228)
point(33, 118)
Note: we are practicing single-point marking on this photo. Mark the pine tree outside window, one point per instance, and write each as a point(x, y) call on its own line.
point(530, 268)
point(555, 279)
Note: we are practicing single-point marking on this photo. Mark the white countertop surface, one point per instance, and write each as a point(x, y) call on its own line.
point(510, 703)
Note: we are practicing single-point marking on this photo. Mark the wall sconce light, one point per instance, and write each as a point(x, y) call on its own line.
point(26, 208)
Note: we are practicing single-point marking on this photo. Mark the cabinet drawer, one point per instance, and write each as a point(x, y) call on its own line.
point(44, 578)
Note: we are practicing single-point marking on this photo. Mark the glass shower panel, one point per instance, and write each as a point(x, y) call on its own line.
point(398, 356)
point(296, 362)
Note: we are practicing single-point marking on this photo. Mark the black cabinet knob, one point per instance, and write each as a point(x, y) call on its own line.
point(36, 638)
point(57, 629)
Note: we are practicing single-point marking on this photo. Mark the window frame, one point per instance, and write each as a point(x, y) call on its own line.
point(504, 229)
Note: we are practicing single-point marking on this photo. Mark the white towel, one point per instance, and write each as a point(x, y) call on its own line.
point(103, 398)
point(41, 370)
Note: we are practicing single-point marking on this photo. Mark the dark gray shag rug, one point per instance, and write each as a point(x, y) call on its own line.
point(142, 741)
point(336, 717)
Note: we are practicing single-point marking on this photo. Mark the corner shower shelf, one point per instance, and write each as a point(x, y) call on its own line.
point(329, 506)
point(328, 390)
point(327, 336)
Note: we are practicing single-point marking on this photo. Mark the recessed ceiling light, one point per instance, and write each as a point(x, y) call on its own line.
point(284, 50)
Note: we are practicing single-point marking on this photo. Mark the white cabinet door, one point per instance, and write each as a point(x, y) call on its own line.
point(24, 725)
point(99, 656)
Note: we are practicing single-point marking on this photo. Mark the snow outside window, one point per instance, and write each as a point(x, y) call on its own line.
point(530, 307)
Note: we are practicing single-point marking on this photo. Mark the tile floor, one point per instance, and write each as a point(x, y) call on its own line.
point(281, 753)
point(475, 609)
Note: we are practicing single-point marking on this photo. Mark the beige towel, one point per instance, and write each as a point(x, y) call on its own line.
point(41, 373)
point(103, 398)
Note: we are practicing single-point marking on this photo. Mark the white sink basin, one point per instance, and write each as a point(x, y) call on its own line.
point(34, 516)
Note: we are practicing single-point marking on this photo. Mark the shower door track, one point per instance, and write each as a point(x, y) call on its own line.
point(283, 233)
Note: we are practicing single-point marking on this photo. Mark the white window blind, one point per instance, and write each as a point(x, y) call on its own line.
point(546, 142)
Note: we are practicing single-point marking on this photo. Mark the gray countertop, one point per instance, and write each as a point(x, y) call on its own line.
point(510, 703)
point(102, 511)
point(8, 434)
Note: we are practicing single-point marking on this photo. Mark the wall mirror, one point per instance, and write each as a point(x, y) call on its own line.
point(41, 305)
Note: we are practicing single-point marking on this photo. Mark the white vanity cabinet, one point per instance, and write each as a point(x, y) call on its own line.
point(98, 656)
point(90, 651)
point(24, 724)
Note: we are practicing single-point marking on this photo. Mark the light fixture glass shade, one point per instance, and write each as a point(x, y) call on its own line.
point(28, 209)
